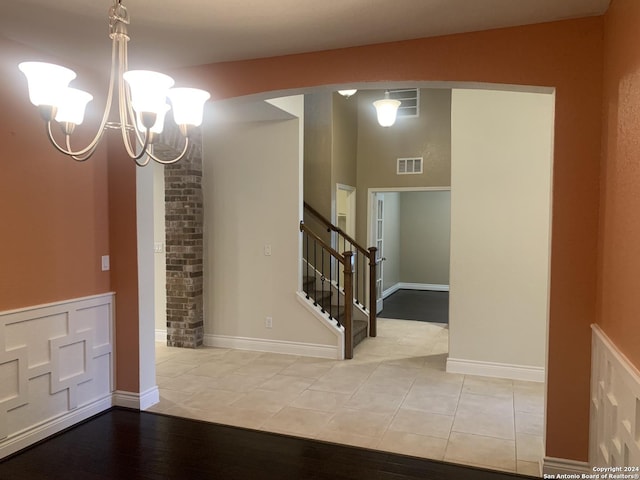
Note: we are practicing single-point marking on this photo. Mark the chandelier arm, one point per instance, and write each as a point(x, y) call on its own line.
point(53, 140)
point(124, 107)
point(125, 93)
point(175, 160)
point(144, 163)
point(80, 158)
point(83, 154)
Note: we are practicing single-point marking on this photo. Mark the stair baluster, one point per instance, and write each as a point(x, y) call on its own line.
point(360, 270)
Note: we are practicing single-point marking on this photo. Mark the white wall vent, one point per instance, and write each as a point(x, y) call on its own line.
point(408, 166)
point(409, 101)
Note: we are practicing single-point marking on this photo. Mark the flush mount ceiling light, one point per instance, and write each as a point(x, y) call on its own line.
point(387, 109)
point(142, 100)
point(347, 93)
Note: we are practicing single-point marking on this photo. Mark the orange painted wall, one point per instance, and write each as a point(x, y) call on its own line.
point(566, 55)
point(59, 217)
point(54, 222)
point(619, 262)
point(123, 235)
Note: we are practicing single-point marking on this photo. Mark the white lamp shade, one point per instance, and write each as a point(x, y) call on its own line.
point(148, 90)
point(188, 105)
point(347, 93)
point(158, 126)
point(46, 82)
point(387, 110)
point(72, 106)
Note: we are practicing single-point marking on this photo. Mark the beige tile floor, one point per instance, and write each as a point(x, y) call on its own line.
point(394, 396)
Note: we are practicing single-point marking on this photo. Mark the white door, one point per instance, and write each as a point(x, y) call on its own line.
point(378, 237)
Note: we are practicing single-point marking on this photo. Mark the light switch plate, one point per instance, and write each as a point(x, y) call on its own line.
point(105, 263)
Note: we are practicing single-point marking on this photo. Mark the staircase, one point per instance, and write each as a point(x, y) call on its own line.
point(327, 304)
point(340, 284)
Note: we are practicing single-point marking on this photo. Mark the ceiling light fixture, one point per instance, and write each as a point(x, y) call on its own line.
point(387, 109)
point(347, 93)
point(142, 100)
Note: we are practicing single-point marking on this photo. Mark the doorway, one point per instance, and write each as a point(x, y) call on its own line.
point(411, 229)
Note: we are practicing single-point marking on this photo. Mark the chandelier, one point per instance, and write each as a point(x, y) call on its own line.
point(142, 101)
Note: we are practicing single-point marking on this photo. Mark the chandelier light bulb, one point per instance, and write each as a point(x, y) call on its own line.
point(148, 89)
point(72, 106)
point(188, 105)
point(158, 124)
point(46, 82)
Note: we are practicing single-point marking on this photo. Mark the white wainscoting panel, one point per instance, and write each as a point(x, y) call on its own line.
point(614, 439)
point(56, 368)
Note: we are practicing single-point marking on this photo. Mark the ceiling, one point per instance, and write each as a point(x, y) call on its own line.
point(190, 32)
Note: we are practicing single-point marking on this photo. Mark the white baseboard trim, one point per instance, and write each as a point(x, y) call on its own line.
point(390, 291)
point(272, 346)
point(414, 286)
point(136, 401)
point(39, 432)
point(161, 335)
point(497, 370)
point(560, 466)
point(423, 286)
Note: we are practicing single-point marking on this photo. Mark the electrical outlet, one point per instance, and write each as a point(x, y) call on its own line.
point(268, 322)
point(267, 250)
point(158, 247)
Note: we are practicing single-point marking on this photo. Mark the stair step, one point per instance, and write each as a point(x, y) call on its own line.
point(322, 296)
point(323, 300)
point(359, 331)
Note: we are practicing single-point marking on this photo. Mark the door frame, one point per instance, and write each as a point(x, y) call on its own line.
point(351, 218)
point(371, 198)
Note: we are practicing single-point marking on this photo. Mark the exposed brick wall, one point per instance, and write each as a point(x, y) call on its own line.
point(184, 249)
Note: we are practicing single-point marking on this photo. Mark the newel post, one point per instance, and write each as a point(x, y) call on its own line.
point(373, 327)
point(348, 304)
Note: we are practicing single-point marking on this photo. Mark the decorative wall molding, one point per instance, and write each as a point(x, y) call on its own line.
point(414, 286)
point(560, 466)
point(56, 367)
point(614, 426)
point(272, 346)
point(497, 370)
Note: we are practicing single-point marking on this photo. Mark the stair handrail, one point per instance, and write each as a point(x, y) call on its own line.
point(346, 259)
point(369, 253)
point(331, 227)
point(328, 248)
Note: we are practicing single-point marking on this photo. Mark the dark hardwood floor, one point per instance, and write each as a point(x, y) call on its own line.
point(126, 444)
point(420, 305)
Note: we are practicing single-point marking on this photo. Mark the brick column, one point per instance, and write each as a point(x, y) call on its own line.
point(184, 249)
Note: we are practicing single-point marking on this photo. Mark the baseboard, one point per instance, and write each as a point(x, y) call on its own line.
point(161, 335)
point(414, 286)
point(553, 467)
point(497, 370)
point(137, 401)
point(272, 346)
point(44, 430)
point(390, 291)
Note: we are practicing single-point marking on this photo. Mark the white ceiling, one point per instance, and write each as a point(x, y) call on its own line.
point(190, 32)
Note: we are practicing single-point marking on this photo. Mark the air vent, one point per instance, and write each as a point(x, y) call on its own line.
point(409, 101)
point(408, 166)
